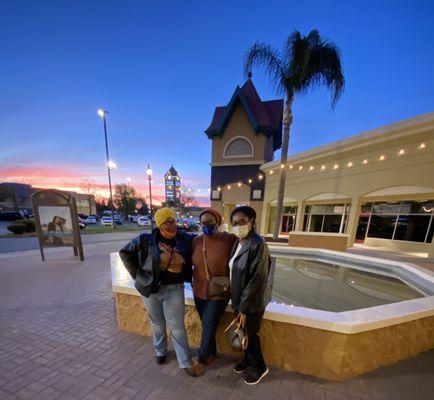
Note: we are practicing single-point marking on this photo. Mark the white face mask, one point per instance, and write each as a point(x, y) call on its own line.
point(241, 231)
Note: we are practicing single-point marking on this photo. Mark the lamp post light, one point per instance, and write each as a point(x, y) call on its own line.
point(110, 164)
point(149, 173)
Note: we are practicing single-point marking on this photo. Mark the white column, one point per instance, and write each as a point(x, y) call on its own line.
point(353, 220)
point(300, 216)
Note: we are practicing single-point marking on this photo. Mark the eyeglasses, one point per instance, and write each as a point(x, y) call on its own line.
point(169, 222)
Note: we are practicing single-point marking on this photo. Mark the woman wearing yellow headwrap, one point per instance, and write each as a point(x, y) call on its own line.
point(160, 263)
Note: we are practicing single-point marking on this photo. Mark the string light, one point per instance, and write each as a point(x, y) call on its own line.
point(219, 189)
point(282, 166)
point(322, 167)
point(271, 172)
point(401, 152)
point(300, 167)
point(350, 164)
point(382, 157)
point(250, 181)
point(260, 177)
point(365, 161)
point(311, 168)
point(229, 187)
point(291, 167)
point(422, 146)
point(239, 184)
point(336, 166)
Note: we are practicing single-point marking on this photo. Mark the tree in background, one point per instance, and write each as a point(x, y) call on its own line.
point(125, 198)
point(141, 206)
point(88, 186)
point(306, 62)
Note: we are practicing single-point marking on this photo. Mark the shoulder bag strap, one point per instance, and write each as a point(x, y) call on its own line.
point(204, 259)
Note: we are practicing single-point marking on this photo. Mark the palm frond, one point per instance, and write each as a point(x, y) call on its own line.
point(313, 62)
point(265, 57)
point(325, 68)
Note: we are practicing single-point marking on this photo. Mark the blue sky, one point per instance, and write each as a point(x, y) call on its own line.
point(160, 68)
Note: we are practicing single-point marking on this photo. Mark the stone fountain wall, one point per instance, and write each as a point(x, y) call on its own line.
point(311, 351)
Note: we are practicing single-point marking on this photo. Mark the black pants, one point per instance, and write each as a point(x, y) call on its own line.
point(253, 354)
point(209, 312)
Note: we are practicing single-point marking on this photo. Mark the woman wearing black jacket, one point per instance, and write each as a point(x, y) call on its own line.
point(250, 292)
point(160, 263)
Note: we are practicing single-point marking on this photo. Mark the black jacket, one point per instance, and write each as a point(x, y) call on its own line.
point(141, 258)
point(250, 289)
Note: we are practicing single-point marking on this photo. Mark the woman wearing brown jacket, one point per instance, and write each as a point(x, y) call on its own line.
point(211, 252)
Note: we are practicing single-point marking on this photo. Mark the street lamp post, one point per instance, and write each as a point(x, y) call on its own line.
point(149, 173)
point(110, 164)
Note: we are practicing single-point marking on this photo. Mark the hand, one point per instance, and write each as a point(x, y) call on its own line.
point(242, 318)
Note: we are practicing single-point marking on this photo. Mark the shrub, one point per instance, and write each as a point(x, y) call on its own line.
point(18, 229)
point(29, 224)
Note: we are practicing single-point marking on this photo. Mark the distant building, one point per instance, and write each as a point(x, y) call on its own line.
point(17, 196)
point(172, 183)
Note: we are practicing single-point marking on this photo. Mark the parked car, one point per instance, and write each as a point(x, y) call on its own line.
point(91, 219)
point(106, 221)
point(81, 223)
point(133, 218)
point(145, 222)
point(188, 225)
point(117, 219)
point(10, 215)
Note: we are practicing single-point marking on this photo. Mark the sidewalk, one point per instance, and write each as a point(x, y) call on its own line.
point(59, 340)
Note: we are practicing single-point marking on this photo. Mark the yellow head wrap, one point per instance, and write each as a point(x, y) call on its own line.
point(162, 214)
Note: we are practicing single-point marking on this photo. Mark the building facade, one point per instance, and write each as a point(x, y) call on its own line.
point(172, 185)
point(17, 196)
point(377, 187)
point(244, 133)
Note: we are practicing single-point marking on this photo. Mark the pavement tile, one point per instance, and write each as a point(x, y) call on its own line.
point(59, 340)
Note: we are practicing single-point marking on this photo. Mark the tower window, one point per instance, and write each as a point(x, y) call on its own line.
point(238, 147)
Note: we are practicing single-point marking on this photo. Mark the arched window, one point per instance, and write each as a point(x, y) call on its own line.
point(238, 147)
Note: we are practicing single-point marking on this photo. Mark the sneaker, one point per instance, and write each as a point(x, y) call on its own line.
point(255, 378)
point(241, 367)
point(160, 359)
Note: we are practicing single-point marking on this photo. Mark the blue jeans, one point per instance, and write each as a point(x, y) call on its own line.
point(167, 306)
point(209, 312)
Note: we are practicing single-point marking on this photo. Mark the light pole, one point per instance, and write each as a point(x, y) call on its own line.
point(149, 173)
point(110, 164)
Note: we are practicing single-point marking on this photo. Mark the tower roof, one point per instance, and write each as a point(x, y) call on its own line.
point(264, 116)
point(172, 171)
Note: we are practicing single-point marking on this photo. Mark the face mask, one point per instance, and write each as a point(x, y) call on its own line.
point(241, 231)
point(209, 230)
point(168, 233)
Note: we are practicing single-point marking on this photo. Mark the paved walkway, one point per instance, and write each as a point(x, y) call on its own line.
point(59, 340)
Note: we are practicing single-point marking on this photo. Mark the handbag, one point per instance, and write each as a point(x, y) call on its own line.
point(218, 286)
point(236, 333)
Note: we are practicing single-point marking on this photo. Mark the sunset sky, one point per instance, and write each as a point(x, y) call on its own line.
point(160, 68)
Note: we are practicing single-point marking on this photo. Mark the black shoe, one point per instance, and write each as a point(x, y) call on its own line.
point(160, 359)
point(255, 378)
point(241, 367)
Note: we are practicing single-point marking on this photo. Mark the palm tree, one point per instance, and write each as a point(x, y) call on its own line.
point(305, 62)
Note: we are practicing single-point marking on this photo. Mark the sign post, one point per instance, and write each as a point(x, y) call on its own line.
point(57, 221)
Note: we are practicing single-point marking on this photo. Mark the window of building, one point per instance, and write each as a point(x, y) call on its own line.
point(238, 147)
point(400, 220)
point(326, 218)
point(287, 223)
